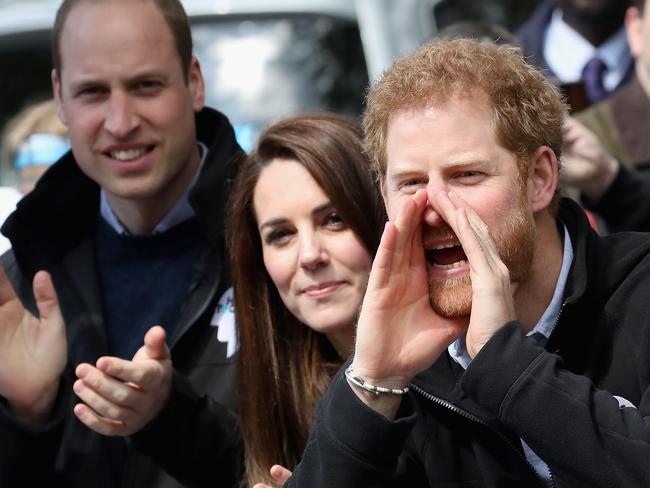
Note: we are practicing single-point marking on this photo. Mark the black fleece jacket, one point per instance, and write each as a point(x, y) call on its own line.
point(462, 428)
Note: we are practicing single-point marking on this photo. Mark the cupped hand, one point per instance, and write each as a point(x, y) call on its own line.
point(120, 396)
point(398, 333)
point(492, 297)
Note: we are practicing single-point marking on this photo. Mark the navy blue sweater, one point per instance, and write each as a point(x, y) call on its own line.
point(145, 280)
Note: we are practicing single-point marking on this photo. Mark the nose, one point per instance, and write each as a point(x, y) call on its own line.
point(312, 253)
point(432, 216)
point(121, 117)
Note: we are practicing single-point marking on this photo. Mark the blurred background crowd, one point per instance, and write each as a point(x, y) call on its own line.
point(264, 59)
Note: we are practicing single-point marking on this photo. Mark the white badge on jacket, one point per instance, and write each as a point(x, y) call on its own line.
point(224, 319)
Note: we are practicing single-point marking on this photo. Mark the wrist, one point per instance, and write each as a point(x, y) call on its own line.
point(376, 390)
point(379, 378)
point(36, 412)
point(384, 404)
point(602, 180)
point(390, 388)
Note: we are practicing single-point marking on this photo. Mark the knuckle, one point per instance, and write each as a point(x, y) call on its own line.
point(139, 376)
point(93, 380)
point(120, 396)
point(113, 412)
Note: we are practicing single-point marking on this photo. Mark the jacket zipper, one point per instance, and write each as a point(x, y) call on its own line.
point(473, 418)
point(557, 319)
point(450, 406)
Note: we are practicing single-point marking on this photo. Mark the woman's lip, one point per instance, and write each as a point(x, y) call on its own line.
point(322, 289)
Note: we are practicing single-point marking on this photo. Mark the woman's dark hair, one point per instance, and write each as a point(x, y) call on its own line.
point(283, 366)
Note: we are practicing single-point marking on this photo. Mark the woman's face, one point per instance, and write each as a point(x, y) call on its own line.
point(317, 263)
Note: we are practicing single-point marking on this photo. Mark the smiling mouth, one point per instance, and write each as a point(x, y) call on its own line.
point(129, 154)
point(446, 256)
point(322, 289)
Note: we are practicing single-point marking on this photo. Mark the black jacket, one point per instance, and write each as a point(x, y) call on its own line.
point(626, 203)
point(461, 428)
point(53, 229)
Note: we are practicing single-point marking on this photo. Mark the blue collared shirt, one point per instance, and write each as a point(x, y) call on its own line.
point(179, 213)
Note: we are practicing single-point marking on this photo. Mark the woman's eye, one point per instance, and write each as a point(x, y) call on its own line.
point(333, 219)
point(277, 237)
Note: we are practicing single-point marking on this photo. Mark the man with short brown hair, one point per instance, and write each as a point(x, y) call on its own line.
point(127, 231)
point(499, 343)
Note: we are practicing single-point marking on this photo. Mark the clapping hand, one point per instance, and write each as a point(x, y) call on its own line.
point(120, 396)
point(33, 351)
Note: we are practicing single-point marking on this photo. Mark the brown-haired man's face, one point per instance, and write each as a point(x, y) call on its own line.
point(454, 148)
point(129, 111)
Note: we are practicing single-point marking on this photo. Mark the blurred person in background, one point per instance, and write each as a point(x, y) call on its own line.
point(607, 146)
point(621, 121)
point(32, 141)
point(617, 195)
point(304, 221)
point(128, 228)
point(581, 45)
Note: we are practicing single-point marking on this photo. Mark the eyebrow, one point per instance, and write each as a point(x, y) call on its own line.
point(462, 162)
point(85, 80)
point(281, 220)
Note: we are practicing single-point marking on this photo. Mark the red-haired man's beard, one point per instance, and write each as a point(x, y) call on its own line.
point(515, 238)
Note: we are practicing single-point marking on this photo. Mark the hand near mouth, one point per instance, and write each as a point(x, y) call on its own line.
point(492, 299)
point(398, 333)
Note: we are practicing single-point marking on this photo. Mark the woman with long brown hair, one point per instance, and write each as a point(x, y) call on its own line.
point(304, 222)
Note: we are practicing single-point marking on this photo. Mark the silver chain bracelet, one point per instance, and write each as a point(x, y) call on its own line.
point(361, 383)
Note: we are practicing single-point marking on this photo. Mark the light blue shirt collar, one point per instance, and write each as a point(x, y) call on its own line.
point(179, 213)
point(566, 52)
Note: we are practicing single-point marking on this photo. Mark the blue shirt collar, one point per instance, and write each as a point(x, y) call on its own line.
point(179, 213)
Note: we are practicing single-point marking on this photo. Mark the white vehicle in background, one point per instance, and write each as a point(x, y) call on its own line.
point(261, 59)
